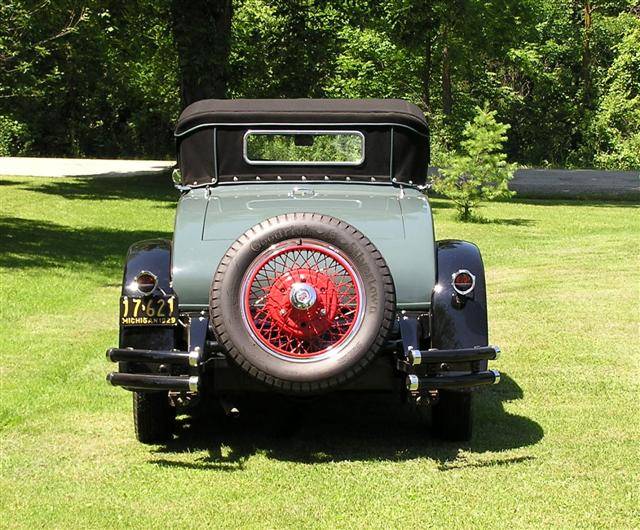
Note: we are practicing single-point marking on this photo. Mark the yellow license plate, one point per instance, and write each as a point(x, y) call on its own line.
point(148, 311)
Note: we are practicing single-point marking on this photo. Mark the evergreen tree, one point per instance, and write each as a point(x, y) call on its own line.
point(479, 170)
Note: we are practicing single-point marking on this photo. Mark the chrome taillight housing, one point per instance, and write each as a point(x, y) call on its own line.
point(463, 282)
point(145, 282)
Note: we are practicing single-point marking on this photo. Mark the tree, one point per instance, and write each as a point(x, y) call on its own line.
point(108, 78)
point(616, 126)
point(202, 33)
point(23, 44)
point(479, 170)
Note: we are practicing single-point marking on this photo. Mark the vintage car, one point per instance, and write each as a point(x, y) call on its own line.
point(303, 262)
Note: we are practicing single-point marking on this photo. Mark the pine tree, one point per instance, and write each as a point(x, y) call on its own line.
point(478, 170)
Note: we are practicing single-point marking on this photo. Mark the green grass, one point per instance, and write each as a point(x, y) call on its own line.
point(556, 443)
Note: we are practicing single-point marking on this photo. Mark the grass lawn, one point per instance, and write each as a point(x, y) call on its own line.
point(557, 442)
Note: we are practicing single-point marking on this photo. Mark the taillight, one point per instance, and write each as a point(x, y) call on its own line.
point(463, 282)
point(146, 282)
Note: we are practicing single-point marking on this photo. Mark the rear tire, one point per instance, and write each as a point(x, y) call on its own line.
point(153, 417)
point(452, 416)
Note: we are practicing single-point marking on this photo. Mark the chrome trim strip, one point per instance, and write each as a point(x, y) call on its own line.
point(311, 180)
point(296, 124)
point(215, 155)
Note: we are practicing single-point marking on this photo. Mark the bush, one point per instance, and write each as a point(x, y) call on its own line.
point(478, 170)
point(13, 137)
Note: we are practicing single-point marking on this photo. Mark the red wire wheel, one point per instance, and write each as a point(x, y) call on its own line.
point(302, 300)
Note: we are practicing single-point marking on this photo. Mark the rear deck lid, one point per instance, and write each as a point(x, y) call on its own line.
point(373, 210)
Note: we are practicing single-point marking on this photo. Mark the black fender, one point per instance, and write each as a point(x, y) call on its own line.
point(151, 255)
point(154, 256)
point(458, 321)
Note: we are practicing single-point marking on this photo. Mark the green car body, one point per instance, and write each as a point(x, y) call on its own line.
point(397, 221)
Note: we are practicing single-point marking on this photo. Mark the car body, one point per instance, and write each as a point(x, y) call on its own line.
point(303, 262)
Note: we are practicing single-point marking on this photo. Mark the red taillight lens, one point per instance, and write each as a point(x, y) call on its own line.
point(463, 282)
point(146, 282)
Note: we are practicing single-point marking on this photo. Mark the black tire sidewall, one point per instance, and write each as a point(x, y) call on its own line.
point(226, 314)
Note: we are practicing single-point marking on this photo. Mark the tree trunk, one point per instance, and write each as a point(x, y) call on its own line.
point(587, 86)
point(447, 98)
point(426, 74)
point(202, 31)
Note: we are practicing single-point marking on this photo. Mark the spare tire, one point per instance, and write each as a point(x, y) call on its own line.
point(303, 302)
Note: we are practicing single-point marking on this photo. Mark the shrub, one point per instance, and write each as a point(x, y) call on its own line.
point(12, 137)
point(478, 170)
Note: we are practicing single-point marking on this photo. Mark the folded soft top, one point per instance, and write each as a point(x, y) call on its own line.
point(299, 111)
point(211, 139)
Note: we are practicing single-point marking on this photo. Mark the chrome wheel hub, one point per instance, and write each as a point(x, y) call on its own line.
point(302, 296)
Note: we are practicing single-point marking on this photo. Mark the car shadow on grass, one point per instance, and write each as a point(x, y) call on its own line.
point(341, 427)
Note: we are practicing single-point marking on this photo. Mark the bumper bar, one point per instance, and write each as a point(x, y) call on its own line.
point(154, 382)
point(417, 383)
point(484, 353)
point(190, 361)
point(154, 356)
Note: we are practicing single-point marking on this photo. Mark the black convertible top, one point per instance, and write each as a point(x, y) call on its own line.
point(311, 111)
point(210, 136)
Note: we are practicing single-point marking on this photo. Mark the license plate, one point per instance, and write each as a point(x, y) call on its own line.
point(148, 311)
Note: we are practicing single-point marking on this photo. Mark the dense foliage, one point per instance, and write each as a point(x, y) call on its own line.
point(105, 78)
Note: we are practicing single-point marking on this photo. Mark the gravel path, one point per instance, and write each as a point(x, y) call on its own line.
point(558, 183)
point(80, 167)
point(543, 183)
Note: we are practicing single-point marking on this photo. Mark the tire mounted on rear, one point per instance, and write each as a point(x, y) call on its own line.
point(302, 302)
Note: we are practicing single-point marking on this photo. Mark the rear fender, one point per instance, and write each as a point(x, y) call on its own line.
point(458, 322)
point(151, 255)
point(154, 256)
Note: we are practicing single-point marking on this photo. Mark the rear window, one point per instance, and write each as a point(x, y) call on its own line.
point(304, 147)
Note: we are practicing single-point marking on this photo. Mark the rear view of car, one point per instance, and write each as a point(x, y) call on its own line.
point(303, 262)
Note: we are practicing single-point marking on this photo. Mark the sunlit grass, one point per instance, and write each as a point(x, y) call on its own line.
point(556, 443)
